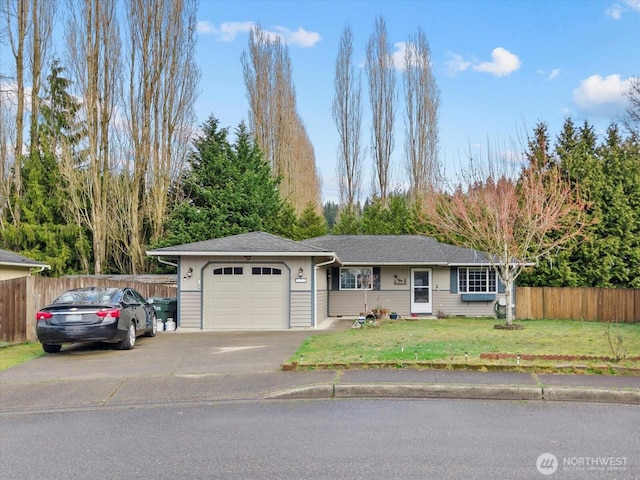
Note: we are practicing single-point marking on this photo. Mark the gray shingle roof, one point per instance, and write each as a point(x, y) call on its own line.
point(254, 243)
point(350, 249)
point(395, 250)
point(13, 259)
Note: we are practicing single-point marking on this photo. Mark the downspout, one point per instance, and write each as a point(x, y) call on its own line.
point(313, 288)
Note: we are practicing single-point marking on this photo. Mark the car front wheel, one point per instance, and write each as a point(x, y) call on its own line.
point(49, 348)
point(130, 340)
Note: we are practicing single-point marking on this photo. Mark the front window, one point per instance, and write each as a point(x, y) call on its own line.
point(356, 278)
point(477, 280)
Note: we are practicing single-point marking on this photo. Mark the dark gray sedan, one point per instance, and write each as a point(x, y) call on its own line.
point(96, 314)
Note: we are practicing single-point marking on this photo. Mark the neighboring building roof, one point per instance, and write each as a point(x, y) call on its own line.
point(255, 243)
point(396, 250)
point(14, 260)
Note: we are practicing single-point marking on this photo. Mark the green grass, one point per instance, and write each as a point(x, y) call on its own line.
point(449, 339)
point(12, 355)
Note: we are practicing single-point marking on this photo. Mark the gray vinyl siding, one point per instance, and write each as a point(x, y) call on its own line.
point(300, 309)
point(351, 304)
point(322, 305)
point(451, 305)
point(189, 306)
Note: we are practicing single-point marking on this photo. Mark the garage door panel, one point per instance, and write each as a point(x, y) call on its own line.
point(249, 300)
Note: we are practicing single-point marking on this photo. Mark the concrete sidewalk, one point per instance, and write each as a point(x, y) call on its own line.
point(123, 391)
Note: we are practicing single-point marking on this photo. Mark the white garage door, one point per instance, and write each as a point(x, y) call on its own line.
point(246, 297)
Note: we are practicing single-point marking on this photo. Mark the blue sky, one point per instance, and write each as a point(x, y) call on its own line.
point(501, 66)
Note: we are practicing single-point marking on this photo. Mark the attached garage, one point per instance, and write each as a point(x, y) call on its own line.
point(252, 281)
point(248, 296)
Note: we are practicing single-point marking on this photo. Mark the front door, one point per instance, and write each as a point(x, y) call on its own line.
point(421, 290)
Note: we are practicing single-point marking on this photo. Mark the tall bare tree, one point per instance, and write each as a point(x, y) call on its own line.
point(347, 114)
point(422, 97)
point(16, 13)
point(42, 21)
point(94, 61)
point(5, 177)
point(278, 129)
point(159, 103)
point(515, 221)
point(258, 72)
point(382, 95)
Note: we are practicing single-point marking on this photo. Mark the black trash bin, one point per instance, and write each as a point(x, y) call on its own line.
point(166, 311)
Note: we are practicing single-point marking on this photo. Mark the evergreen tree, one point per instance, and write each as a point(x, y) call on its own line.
point(608, 176)
point(45, 234)
point(378, 219)
point(228, 190)
point(348, 222)
point(310, 224)
point(331, 210)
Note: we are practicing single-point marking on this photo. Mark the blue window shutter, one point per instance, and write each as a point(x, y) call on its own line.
point(501, 288)
point(453, 276)
point(376, 278)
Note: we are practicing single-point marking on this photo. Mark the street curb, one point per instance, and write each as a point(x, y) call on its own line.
point(572, 394)
point(472, 392)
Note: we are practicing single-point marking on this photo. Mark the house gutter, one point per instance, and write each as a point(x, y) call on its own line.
point(313, 288)
point(40, 269)
point(165, 262)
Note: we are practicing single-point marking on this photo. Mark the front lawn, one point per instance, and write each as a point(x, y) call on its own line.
point(11, 355)
point(447, 341)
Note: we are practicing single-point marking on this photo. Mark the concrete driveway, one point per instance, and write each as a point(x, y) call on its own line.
point(171, 367)
point(168, 353)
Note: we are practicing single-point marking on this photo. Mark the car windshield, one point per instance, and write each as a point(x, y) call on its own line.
point(89, 295)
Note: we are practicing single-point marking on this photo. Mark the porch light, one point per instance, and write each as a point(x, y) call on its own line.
point(300, 272)
point(189, 272)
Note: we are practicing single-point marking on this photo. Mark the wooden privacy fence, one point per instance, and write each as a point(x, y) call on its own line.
point(20, 299)
point(592, 304)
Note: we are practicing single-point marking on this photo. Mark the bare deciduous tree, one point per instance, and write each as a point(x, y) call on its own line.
point(516, 222)
point(422, 97)
point(5, 178)
point(159, 103)
point(382, 95)
point(16, 13)
point(347, 114)
point(257, 71)
point(95, 65)
point(274, 121)
point(42, 21)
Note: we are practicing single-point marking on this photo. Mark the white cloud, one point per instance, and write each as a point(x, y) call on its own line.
point(602, 96)
point(228, 31)
point(554, 73)
point(205, 27)
point(503, 63)
point(616, 10)
point(550, 76)
point(456, 63)
point(633, 4)
point(397, 56)
point(299, 38)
